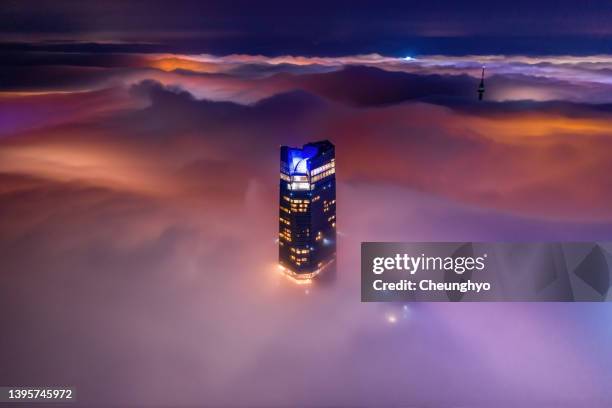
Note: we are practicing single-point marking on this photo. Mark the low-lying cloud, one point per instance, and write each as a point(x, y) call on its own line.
point(139, 222)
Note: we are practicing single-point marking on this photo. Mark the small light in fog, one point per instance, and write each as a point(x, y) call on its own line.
point(406, 311)
point(391, 319)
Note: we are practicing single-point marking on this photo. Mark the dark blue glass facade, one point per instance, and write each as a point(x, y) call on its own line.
point(307, 209)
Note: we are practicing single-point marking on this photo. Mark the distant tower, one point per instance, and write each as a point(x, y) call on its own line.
point(307, 211)
point(481, 88)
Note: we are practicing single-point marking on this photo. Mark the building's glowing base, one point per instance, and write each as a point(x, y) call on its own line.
point(302, 278)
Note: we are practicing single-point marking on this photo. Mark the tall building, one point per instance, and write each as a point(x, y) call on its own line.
point(481, 87)
point(307, 213)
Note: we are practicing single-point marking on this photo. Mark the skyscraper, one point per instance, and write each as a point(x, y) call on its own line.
point(481, 87)
point(307, 209)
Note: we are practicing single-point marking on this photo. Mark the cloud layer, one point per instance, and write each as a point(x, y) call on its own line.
point(138, 212)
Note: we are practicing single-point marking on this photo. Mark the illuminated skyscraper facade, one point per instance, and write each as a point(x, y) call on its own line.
point(307, 213)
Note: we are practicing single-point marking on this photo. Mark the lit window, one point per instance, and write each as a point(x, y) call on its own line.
point(299, 186)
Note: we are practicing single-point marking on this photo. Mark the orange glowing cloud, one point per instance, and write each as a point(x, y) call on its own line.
point(173, 63)
point(545, 160)
point(90, 164)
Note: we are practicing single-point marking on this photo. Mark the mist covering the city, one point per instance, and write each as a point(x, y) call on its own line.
point(162, 255)
point(139, 198)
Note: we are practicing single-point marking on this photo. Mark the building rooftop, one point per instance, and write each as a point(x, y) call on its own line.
point(298, 158)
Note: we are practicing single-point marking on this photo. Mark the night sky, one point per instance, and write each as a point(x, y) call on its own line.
point(139, 190)
point(313, 28)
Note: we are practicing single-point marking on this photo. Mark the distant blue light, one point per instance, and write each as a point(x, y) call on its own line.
point(298, 159)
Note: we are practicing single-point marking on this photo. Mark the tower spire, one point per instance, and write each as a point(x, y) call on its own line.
point(481, 88)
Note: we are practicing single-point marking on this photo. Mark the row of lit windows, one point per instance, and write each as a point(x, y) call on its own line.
point(299, 178)
point(323, 168)
point(298, 186)
point(303, 259)
point(300, 251)
point(322, 175)
point(284, 221)
point(319, 236)
point(285, 177)
point(331, 218)
point(299, 207)
point(317, 198)
point(296, 201)
point(285, 234)
point(328, 204)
